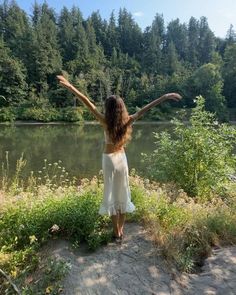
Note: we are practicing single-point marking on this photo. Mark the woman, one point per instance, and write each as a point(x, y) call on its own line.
point(117, 130)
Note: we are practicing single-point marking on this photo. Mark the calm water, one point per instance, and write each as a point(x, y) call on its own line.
point(78, 147)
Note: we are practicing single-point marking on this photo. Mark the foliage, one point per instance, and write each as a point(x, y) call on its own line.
point(115, 56)
point(182, 228)
point(197, 157)
point(39, 114)
point(229, 73)
point(208, 82)
point(72, 114)
point(7, 114)
point(45, 207)
point(13, 86)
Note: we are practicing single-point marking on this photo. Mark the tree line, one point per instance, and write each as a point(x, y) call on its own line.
point(102, 57)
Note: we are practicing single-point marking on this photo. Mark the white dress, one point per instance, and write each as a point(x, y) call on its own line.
point(116, 195)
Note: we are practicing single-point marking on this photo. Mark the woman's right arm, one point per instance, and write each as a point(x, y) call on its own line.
point(99, 116)
point(171, 96)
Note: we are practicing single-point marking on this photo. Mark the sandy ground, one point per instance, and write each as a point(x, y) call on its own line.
point(136, 267)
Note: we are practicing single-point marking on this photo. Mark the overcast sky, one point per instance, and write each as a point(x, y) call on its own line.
point(220, 14)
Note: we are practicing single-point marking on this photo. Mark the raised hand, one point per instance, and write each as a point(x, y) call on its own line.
point(173, 96)
point(63, 81)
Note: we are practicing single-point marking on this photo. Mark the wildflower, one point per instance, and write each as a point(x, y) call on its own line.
point(54, 228)
point(33, 239)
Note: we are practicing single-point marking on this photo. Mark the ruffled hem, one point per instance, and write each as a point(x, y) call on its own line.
point(114, 209)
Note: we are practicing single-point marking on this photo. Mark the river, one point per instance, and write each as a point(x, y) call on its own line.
point(78, 148)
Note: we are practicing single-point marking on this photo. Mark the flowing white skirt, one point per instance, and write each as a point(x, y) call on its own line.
point(116, 195)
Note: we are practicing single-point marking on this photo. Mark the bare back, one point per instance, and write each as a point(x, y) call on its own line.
point(109, 146)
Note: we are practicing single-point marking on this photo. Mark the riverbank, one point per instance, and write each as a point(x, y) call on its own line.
point(136, 267)
point(184, 230)
point(80, 115)
point(19, 123)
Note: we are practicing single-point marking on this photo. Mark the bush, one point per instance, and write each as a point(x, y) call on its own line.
point(199, 157)
point(183, 229)
point(72, 114)
point(39, 114)
point(87, 115)
point(7, 114)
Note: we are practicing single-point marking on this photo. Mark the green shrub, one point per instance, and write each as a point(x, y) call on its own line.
point(76, 216)
point(39, 114)
point(183, 229)
point(7, 114)
point(72, 114)
point(199, 157)
point(87, 115)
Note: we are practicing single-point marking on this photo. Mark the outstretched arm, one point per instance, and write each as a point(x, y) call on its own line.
point(171, 96)
point(64, 82)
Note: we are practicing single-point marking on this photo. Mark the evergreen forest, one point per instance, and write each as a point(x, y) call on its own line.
point(114, 56)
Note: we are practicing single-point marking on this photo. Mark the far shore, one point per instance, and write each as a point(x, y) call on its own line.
point(18, 123)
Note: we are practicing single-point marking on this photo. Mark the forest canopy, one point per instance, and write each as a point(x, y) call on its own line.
point(102, 57)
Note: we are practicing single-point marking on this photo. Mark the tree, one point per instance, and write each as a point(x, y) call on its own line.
point(129, 33)
point(100, 28)
point(193, 41)
point(207, 81)
point(17, 32)
point(13, 86)
point(112, 36)
point(177, 34)
point(231, 35)
point(47, 58)
point(153, 43)
point(229, 72)
point(172, 63)
point(206, 41)
point(66, 35)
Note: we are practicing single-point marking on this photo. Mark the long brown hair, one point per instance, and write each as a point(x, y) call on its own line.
point(117, 119)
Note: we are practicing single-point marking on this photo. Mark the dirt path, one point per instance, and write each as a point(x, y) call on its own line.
point(135, 267)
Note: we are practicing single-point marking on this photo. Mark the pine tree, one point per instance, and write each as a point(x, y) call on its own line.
point(172, 64)
point(229, 72)
point(178, 34)
point(13, 86)
point(112, 36)
point(153, 43)
point(47, 58)
point(66, 35)
point(206, 42)
point(100, 28)
point(129, 33)
point(193, 41)
point(231, 35)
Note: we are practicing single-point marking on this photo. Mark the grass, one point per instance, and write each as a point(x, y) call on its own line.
point(184, 228)
point(34, 211)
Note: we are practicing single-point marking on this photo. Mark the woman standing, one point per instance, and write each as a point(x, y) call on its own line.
point(117, 131)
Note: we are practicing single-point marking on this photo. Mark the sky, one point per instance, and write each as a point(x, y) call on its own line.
point(220, 13)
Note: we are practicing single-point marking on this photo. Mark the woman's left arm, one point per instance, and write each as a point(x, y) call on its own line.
point(98, 115)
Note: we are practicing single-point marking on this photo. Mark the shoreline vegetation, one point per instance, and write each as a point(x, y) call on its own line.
point(78, 115)
point(187, 201)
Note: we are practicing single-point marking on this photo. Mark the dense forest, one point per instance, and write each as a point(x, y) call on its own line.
point(110, 56)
